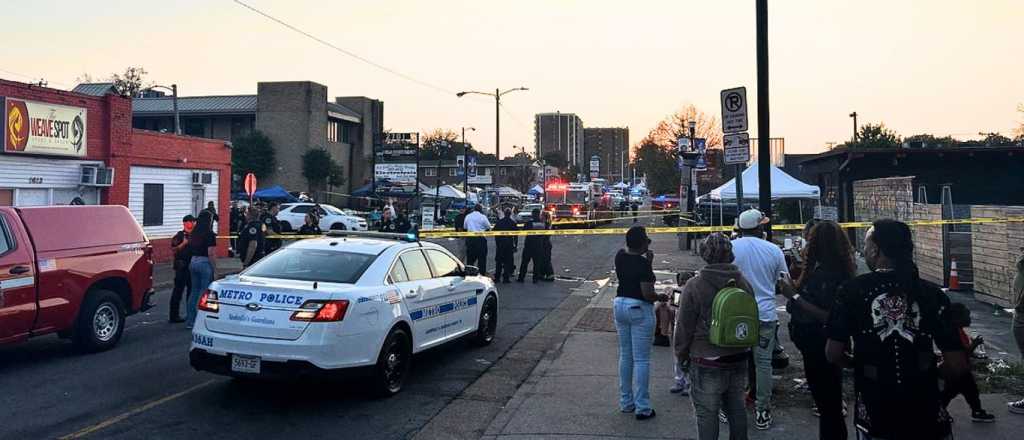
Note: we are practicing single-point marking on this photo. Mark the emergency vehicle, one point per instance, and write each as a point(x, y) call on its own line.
point(578, 202)
point(348, 302)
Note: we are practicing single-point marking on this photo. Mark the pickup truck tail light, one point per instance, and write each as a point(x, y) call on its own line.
point(321, 311)
point(208, 301)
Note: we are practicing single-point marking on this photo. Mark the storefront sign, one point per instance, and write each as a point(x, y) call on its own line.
point(404, 173)
point(31, 127)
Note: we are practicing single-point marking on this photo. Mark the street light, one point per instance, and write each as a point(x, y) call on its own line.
point(854, 116)
point(465, 166)
point(174, 99)
point(497, 112)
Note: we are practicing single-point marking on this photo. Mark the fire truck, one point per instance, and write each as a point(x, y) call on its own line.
point(580, 202)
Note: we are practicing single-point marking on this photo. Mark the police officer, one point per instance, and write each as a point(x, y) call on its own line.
point(533, 249)
point(545, 256)
point(251, 244)
point(505, 249)
point(271, 226)
point(182, 279)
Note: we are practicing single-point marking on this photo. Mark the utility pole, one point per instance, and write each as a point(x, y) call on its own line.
point(854, 116)
point(764, 151)
point(497, 124)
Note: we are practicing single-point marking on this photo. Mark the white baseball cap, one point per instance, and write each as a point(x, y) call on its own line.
point(751, 219)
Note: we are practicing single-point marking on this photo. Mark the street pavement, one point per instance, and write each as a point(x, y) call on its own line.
point(145, 388)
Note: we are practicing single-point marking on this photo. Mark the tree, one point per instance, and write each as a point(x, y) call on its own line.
point(658, 163)
point(1019, 131)
point(930, 141)
point(336, 176)
point(319, 168)
point(131, 82)
point(445, 144)
point(253, 153)
point(875, 136)
point(676, 125)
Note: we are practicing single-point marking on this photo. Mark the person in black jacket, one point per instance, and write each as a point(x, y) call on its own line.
point(182, 278)
point(505, 249)
point(534, 249)
point(311, 225)
point(251, 245)
point(272, 227)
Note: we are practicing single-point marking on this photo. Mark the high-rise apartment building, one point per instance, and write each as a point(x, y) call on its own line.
point(611, 146)
point(562, 133)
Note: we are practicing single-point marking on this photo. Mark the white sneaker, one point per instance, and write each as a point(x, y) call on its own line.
point(1016, 407)
point(762, 419)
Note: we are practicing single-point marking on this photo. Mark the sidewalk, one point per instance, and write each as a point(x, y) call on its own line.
point(573, 391)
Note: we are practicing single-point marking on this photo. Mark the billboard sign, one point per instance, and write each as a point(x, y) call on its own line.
point(31, 127)
point(483, 179)
point(402, 173)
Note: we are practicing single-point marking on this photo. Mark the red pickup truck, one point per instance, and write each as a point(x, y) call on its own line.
point(74, 270)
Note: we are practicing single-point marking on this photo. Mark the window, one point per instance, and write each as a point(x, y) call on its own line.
point(6, 240)
point(416, 266)
point(430, 172)
point(301, 209)
point(398, 273)
point(487, 171)
point(312, 265)
point(503, 171)
point(346, 133)
point(452, 172)
point(240, 127)
point(332, 130)
point(152, 204)
point(444, 265)
point(195, 127)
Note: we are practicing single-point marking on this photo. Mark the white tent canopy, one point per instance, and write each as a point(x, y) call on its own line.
point(784, 186)
point(621, 185)
point(506, 191)
point(446, 191)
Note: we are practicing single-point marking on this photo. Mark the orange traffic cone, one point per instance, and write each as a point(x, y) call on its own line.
point(954, 277)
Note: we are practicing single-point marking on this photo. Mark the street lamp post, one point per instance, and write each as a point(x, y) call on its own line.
point(854, 116)
point(690, 193)
point(497, 113)
point(465, 164)
point(174, 101)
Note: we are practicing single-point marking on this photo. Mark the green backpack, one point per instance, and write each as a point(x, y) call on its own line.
point(734, 318)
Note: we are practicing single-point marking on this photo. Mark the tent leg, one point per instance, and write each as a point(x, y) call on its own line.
point(800, 204)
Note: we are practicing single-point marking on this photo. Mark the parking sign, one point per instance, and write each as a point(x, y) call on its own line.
point(734, 110)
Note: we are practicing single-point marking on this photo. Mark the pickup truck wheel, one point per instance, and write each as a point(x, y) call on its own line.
point(488, 322)
point(392, 364)
point(100, 322)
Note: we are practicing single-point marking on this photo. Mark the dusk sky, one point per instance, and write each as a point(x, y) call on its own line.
point(946, 67)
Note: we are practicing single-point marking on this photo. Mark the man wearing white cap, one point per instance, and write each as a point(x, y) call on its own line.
point(761, 263)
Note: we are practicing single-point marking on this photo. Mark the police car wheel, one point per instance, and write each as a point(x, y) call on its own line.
point(488, 322)
point(100, 322)
point(338, 227)
point(286, 227)
point(393, 363)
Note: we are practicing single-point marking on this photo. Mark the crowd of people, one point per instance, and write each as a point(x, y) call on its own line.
point(901, 337)
point(536, 248)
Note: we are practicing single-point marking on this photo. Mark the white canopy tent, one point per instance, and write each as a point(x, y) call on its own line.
point(446, 191)
point(620, 185)
point(784, 186)
point(507, 191)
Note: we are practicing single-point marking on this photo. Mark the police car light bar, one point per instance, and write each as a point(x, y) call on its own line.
point(411, 237)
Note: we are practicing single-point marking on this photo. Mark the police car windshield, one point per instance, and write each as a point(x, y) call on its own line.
point(326, 266)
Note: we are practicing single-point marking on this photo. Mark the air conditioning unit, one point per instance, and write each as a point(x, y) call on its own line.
point(200, 178)
point(96, 176)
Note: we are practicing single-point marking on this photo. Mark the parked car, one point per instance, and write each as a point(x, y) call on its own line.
point(77, 271)
point(526, 212)
point(350, 302)
point(293, 215)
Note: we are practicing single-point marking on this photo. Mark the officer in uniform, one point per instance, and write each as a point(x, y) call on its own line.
point(251, 244)
point(271, 226)
point(533, 249)
point(505, 249)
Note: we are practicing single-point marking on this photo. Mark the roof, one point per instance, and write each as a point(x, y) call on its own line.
point(94, 89)
point(344, 113)
point(230, 104)
point(369, 246)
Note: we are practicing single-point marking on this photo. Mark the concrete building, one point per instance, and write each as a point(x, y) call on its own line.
point(560, 132)
point(611, 146)
point(515, 173)
point(296, 115)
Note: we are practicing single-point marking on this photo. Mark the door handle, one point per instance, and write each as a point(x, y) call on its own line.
point(18, 270)
point(412, 294)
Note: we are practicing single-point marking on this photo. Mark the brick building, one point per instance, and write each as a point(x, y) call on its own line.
point(296, 115)
point(611, 146)
point(514, 173)
point(59, 146)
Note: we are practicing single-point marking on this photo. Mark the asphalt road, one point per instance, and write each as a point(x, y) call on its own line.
point(145, 388)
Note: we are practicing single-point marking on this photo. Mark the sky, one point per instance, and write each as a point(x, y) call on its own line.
point(945, 67)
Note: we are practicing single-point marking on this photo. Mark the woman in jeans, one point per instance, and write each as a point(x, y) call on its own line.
point(203, 266)
point(634, 320)
point(718, 375)
point(828, 263)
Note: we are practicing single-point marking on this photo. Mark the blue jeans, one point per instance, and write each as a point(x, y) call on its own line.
point(763, 364)
point(201, 272)
point(634, 320)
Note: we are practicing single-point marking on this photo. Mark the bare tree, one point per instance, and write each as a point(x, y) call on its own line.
point(676, 125)
point(1019, 131)
point(131, 82)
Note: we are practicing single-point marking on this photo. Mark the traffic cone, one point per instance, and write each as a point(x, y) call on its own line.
point(954, 277)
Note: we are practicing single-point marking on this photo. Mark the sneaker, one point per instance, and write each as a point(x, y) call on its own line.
point(981, 416)
point(722, 417)
point(1016, 407)
point(645, 416)
point(681, 389)
point(762, 419)
point(628, 410)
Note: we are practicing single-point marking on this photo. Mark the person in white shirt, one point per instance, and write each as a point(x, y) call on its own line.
point(476, 247)
point(761, 263)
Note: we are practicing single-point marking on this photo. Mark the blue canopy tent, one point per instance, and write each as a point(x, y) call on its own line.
point(272, 194)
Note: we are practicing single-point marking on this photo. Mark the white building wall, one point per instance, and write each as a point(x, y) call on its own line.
point(177, 196)
point(45, 181)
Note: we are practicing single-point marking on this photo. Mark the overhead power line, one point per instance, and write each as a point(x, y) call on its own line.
point(346, 52)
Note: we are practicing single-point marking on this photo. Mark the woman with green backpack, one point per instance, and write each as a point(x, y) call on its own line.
point(716, 325)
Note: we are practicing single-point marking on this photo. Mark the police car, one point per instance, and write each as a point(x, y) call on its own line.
point(350, 301)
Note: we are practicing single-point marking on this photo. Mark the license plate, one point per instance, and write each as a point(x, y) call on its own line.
point(245, 364)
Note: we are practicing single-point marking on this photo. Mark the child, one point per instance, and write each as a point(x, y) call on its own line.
point(960, 316)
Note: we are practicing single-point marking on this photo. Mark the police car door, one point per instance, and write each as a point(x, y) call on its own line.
point(462, 317)
point(424, 297)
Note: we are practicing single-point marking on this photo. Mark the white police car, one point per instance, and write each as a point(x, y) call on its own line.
point(351, 301)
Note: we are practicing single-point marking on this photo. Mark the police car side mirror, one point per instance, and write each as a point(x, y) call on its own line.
point(470, 271)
